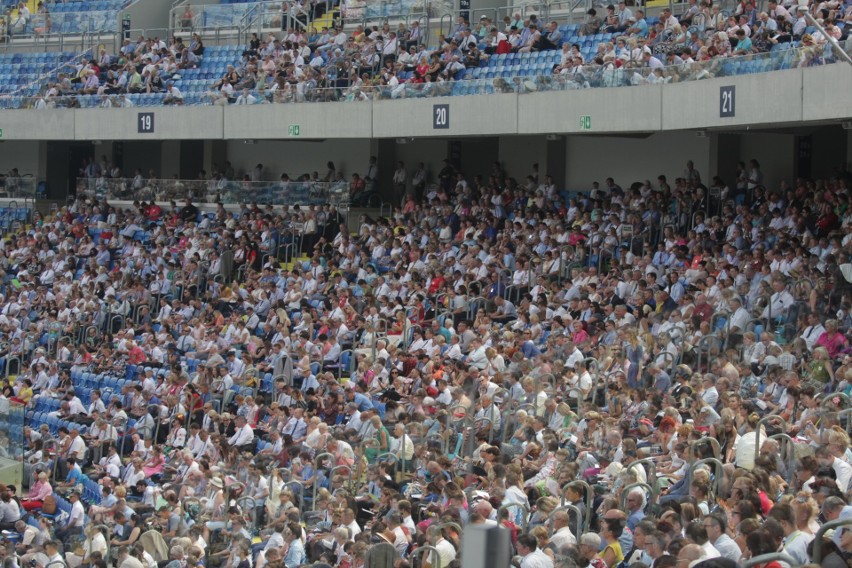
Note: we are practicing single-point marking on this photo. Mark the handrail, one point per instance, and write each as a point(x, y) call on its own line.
point(718, 472)
point(817, 551)
point(523, 507)
point(427, 548)
point(9, 364)
point(791, 455)
point(626, 491)
point(317, 461)
point(846, 412)
point(252, 508)
point(450, 524)
point(349, 478)
point(717, 453)
point(389, 562)
point(589, 496)
point(106, 531)
point(766, 558)
point(225, 192)
point(652, 473)
point(481, 422)
point(301, 494)
point(829, 399)
point(761, 422)
point(726, 67)
point(700, 347)
point(569, 507)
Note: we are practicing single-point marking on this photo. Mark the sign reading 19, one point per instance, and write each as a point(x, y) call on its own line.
point(145, 123)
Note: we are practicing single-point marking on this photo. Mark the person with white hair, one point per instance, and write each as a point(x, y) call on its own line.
point(635, 507)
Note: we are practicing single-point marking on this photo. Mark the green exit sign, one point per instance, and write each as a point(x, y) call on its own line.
point(585, 122)
point(293, 130)
point(1, 133)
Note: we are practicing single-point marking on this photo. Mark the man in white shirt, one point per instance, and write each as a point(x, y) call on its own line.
point(710, 394)
point(76, 517)
point(402, 445)
point(97, 405)
point(532, 557)
point(76, 450)
point(740, 317)
point(187, 468)
point(173, 95)
point(51, 553)
point(353, 417)
point(813, 331)
point(495, 39)
point(243, 438)
point(795, 541)
point(296, 427)
point(715, 526)
point(562, 535)
point(842, 470)
point(390, 48)
point(446, 551)
point(111, 463)
point(575, 356)
point(246, 98)
point(779, 302)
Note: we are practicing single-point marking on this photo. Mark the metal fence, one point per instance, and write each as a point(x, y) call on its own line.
point(500, 78)
point(18, 187)
point(216, 191)
point(12, 442)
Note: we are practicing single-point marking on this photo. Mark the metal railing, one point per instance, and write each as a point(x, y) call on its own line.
point(48, 70)
point(67, 23)
point(357, 11)
point(225, 192)
point(24, 187)
point(243, 18)
point(836, 524)
point(490, 80)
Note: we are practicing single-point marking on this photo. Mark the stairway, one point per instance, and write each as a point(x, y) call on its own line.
point(326, 20)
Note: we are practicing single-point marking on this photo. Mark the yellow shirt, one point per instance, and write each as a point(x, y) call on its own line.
point(25, 394)
point(616, 549)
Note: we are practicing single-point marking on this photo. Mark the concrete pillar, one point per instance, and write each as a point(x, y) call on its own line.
point(385, 152)
point(848, 149)
point(724, 154)
point(170, 161)
point(555, 161)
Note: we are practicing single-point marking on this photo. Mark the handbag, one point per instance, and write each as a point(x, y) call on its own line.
point(48, 506)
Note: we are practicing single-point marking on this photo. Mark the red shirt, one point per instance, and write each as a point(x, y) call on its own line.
point(136, 355)
point(153, 212)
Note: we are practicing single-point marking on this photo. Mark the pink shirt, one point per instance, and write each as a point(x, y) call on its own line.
point(833, 343)
point(40, 491)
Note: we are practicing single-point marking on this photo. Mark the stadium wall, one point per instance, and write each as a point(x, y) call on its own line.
point(23, 155)
point(349, 156)
point(782, 97)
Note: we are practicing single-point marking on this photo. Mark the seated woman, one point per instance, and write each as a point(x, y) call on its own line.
point(38, 493)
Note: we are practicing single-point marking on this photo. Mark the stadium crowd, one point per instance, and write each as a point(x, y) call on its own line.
point(385, 62)
point(650, 375)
